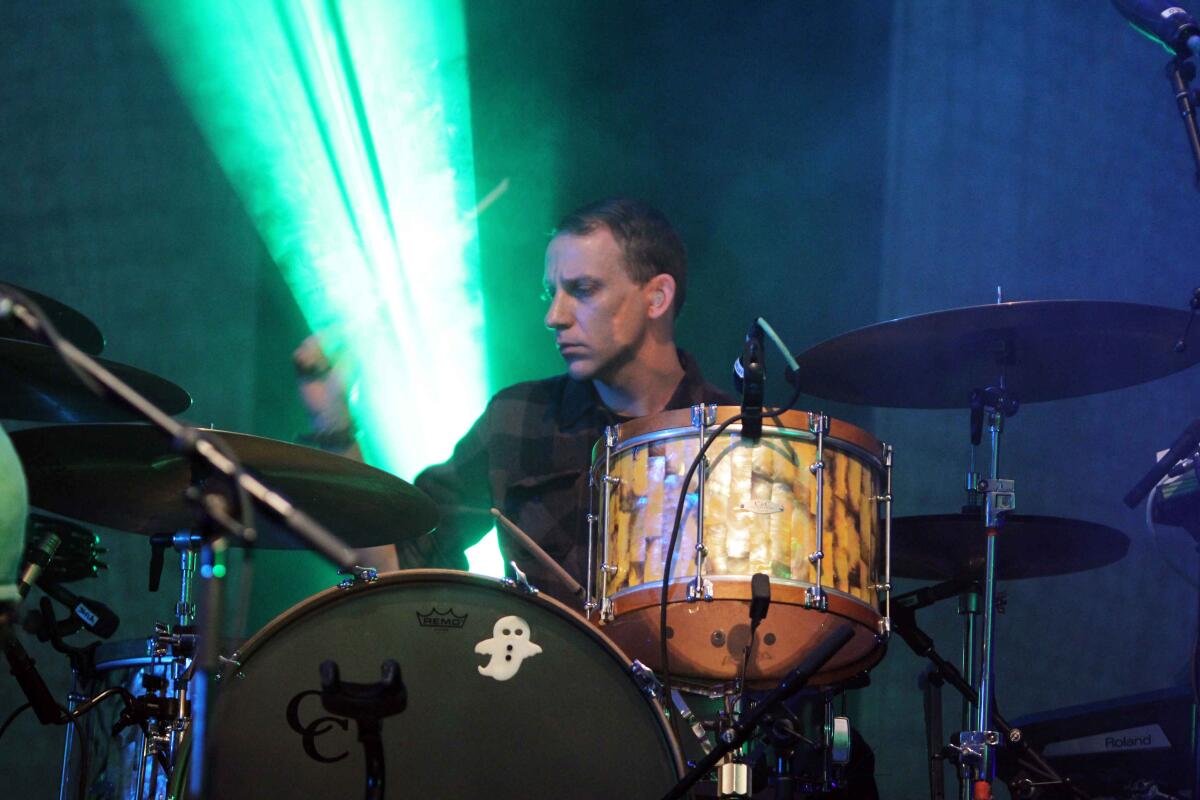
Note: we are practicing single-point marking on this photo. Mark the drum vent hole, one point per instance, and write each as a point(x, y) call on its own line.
point(717, 638)
point(509, 648)
point(769, 639)
point(508, 658)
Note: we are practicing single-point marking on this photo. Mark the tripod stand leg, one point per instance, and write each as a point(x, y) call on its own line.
point(931, 684)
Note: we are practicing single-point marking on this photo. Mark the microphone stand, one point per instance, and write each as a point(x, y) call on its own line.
point(209, 452)
point(1180, 72)
point(745, 726)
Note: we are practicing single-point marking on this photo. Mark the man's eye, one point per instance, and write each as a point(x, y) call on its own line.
point(584, 290)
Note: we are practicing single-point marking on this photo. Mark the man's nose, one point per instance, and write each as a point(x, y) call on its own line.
point(558, 315)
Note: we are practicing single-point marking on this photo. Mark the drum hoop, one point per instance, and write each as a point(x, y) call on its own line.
point(337, 594)
point(843, 437)
point(727, 579)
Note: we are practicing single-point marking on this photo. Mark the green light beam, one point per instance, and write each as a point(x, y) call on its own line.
point(345, 129)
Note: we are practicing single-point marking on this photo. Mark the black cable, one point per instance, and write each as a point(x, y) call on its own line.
point(664, 655)
point(13, 716)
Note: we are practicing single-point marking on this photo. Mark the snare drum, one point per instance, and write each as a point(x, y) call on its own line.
point(808, 504)
point(510, 695)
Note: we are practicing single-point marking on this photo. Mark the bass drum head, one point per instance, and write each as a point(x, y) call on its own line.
point(509, 696)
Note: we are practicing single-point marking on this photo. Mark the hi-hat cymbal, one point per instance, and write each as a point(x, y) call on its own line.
point(129, 478)
point(72, 324)
point(947, 546)
point(36, 386)
point(1041, 350)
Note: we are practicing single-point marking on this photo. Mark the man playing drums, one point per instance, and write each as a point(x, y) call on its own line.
point(615, 278)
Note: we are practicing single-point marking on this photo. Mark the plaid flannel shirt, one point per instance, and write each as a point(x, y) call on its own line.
point(529, 455)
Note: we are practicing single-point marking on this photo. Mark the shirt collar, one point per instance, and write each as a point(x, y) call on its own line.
point(580, 397)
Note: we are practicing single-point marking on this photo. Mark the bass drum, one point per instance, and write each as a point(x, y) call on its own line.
point(510, 695)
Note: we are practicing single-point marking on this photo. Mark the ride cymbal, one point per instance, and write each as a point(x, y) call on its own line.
point(128, 477)
point(1041, 350)
point(72, 324)
point(948, 546)
point(38, 387)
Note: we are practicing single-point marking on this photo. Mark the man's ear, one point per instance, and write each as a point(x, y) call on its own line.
point(661, 293)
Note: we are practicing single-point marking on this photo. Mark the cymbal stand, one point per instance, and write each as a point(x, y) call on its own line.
point(905, 624)
point(175, 645)
point(214, 455)
point(989, 407)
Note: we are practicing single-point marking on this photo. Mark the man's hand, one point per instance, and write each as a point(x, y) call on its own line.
point(323, 388)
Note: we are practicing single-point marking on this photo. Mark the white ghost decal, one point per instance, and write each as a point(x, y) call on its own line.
point(508, 647)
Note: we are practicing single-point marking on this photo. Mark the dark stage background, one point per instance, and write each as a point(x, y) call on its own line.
point(830, 166)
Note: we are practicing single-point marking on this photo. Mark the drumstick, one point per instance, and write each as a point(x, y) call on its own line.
point(541, 555)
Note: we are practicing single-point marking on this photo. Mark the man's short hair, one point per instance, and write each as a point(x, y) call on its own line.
point(648, 242)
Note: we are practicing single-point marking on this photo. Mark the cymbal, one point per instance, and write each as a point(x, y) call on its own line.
point(38, 387)
point(1041, 349)
point(129, 478)
point(72, 324)
point(946, 546)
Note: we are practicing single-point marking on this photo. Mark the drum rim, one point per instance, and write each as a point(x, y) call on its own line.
point(680, 583)
point(853, 608)
point(678, 422)
point(320, 600)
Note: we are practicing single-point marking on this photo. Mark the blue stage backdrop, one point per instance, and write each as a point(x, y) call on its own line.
point(828, 167)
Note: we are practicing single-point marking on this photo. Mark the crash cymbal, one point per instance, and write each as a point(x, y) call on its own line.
point(36, 386)
point(1042, 350)
point(72, 324)
point(946, 546)
point(129, 478)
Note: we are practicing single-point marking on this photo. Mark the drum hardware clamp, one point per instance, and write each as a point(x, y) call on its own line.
point(356, 576)
point(519, 581)
point(647, 681)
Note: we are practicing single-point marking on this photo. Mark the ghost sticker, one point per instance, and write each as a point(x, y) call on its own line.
point(507, 648)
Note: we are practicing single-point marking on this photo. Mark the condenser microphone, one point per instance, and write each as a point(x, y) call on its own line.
point(749, 377)
point(1165, 23)
point(36, 559)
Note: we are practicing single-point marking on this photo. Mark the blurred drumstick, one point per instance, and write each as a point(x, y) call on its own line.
point(541, 555)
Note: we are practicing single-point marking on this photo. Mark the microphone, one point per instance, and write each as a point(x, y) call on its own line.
point(95, 616)
point(749, 378)
point(1164, 22)
point(36, 558)
point(760, 598)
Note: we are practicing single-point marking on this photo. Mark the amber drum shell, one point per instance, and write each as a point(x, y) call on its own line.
point(759, 501)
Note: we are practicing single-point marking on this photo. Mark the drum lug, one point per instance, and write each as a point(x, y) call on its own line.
point(883, 629)
point(357, 575)
point(606, 610)
point(709, 415)
point(703, 592)
point(815, 598)
point(646, 680)
point(228, 666)
point(609, 569)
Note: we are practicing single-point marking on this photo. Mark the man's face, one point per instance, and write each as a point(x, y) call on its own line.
point(598, 314)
